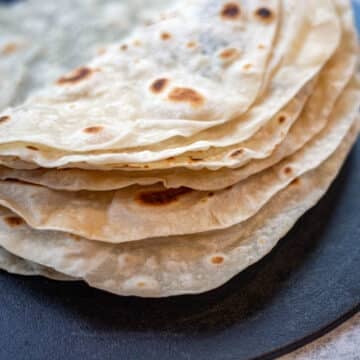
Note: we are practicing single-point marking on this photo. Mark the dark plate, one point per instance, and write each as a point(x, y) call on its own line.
point(309, 284)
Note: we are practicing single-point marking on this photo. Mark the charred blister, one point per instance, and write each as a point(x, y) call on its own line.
point(231, 11)
point(76, 76)
point(4, 118)
point(93, 129)
point(159, 85)
point(31, 147)
point(264, 14)
point(162, 197)
point(13, 221)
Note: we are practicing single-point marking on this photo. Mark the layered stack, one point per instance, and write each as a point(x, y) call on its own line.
point(181, 155)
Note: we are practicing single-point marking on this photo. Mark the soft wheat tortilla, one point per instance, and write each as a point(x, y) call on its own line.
point(39, 41)
point(16, 265)
point(177, 265)
point(154, 83)
point(136, 212)
point(295, 69)
point(331, 82)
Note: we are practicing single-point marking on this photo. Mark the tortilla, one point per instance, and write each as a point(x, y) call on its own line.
point(16, 265)
point(137, 213)
point(331, 83)
point(298, 66)
point(178, 265)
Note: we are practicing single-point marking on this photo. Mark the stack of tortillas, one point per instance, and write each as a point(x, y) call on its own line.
point(183, 151)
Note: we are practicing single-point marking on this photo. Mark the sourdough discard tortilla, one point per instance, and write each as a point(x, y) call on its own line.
point(137, 213)
point(297, 66)
point(177, 265)
point(331, 83)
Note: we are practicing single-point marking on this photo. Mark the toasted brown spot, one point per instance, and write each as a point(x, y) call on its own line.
point(9, 49)
point(165, 36)
point(229, 187)
point(171, 158)
point(237, 153)
point(75, 237)
point(264, 14)
point(247, 66)
point(4, 118)
point(211, 194)
point(159, 85)
point(162, 197)
point(217, 260)
point(230, 11)
point(282, 119)
point(76, 76)
point(30, 147)
point(191, 44)
point(14, 221)
point(124, 47)
point(229, 54)
point(192, 158)
point(186, 95)
point(288, 170)
point(141, 284)
point(261, 46)
point(93, 129)
point(137, 43)
point(295, 182)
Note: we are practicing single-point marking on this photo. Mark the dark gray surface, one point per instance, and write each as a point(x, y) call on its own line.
point(310, 281)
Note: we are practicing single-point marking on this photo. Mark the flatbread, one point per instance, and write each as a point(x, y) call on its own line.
point(143, 212)
point(298, 66)
point(331, 83)
point(178, 265)
point(16, 265)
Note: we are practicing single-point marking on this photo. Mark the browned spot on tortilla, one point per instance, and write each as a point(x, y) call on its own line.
point(9, 48)
point(229, 187)
point(30, 147)
point(229, 54)
point(137, 43)
point(93, 129)
point(165, 36)
point(14, 221)
point(192, 158)
point(282, 119)
point(237, 153)
point(171, 158)
point(191, 44)
point(159, 85)
point(217, 260)
point(247, 66)
point(288, 170)
point(264, 14)
point(186, 95)
point(162, 197)
point(78, 75)
point(261, 46)
point(141, 284)
point(230, 11)
point(75, 237)
point(295, 182)
point(211, 194)
point(124, 47)
point(4, 118)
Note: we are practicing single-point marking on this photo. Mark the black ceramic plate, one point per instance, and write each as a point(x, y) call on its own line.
point(306, 286)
